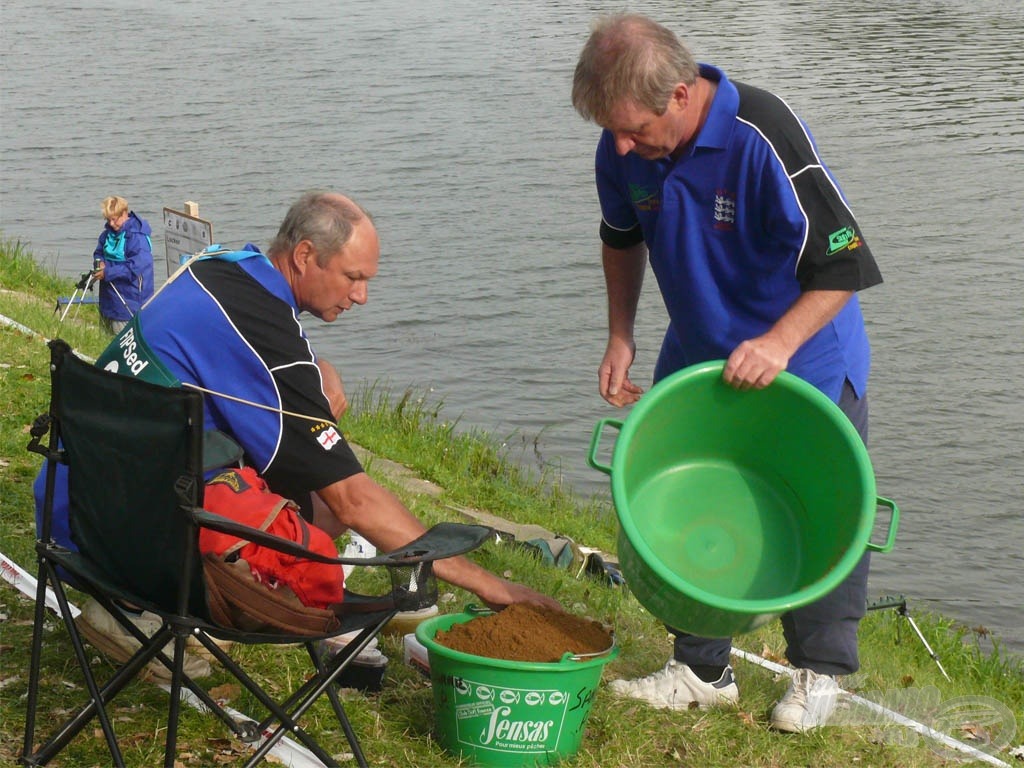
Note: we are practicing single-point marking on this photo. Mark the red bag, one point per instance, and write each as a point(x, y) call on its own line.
point(242, 495)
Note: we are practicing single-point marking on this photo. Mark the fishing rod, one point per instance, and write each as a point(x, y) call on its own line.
point(114, 288)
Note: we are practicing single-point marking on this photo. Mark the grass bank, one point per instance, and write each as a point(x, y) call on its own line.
point(446, 470)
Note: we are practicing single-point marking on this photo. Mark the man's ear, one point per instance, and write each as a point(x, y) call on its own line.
point(302, 253)
point(681, 95)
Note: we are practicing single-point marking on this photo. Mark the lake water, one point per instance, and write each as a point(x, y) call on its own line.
point(450, 120)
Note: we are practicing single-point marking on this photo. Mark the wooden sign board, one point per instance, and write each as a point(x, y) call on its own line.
point(184, 234)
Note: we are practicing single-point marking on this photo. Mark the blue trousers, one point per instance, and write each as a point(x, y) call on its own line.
point(821, 636)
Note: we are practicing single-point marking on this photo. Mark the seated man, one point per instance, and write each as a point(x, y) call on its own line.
point(229, 324)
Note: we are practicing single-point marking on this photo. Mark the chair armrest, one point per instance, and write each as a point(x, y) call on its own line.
point(441, 541)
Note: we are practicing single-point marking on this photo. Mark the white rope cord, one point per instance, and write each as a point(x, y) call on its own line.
point(243, 401)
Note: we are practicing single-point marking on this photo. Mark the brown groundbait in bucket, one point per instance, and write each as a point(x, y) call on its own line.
point(523, 632)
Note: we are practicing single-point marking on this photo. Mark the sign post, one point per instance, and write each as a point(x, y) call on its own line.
point(184, 234)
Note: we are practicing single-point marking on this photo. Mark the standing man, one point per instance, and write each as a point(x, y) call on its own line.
point(758, 258)
point(122, 263)
point(229, 324)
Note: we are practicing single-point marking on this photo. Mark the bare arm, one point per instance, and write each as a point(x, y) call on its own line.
point(755, 363)
point(624, 278)
point(333, 388)
point(359, 503)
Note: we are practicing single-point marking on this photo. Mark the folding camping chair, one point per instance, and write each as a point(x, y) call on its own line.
point(134, 456)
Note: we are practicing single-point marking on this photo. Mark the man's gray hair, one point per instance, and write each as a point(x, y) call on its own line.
point(326, 219)
point(629, 58)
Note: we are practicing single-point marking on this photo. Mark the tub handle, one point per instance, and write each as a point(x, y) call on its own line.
point(595, 443)
point(894, 521)
point(610, 652)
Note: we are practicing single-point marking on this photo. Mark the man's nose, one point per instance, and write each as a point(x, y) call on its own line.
point(359, 293)
point(623, 144)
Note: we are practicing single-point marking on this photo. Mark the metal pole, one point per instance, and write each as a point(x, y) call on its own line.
point(933, 654)
point(88, 282)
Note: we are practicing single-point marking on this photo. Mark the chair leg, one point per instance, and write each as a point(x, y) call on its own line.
point(34, 664)
point(299, 702)
point(286, 723)
point(101, 696)
point(174, 706)
point(98, 699)
point(353, 650)
point(346, 726)
point(240, 731)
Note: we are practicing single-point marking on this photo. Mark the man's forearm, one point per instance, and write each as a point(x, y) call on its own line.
point(624, 279)
point(808, 315)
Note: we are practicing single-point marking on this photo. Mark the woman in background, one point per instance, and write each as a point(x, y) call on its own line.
point(123, 264)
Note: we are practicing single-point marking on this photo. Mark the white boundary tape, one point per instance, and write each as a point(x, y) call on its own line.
point(26, 583)
point(289, 752)
point(5, 320)
point(896, 717)
point(19, 327)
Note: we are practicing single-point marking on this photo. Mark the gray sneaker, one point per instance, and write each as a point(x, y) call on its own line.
point(675, 686)
point(105, 634)
point(807, 704)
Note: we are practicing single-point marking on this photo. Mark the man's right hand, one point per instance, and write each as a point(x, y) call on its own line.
point(503, 593)
point(613, 375)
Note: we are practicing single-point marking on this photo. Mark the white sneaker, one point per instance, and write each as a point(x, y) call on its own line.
point(675, 686)
point(808, 704)
point(357, 546)
point(105, 633)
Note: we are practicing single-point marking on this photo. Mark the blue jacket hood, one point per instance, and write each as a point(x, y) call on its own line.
point(135, 224)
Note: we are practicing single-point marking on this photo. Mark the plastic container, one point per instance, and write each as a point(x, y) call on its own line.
point(735, 507)
point(366, 671)
point(405, 622)
point(494, 712)
point(415, 655)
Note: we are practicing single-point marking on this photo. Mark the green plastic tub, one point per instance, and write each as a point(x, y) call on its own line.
point(735, 507)
point(494, 712)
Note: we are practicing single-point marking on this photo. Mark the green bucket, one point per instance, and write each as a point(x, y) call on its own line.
point(737, 506)
point(494, 712)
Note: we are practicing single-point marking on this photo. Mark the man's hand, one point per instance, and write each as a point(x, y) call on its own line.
point(502, 593)
point(755, 363)
point(613, 376)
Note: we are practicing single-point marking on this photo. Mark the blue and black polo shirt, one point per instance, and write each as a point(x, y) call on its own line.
point(736, 228)
point(230, 324)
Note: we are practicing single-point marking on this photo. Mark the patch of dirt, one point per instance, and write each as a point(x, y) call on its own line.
point(524, 632)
